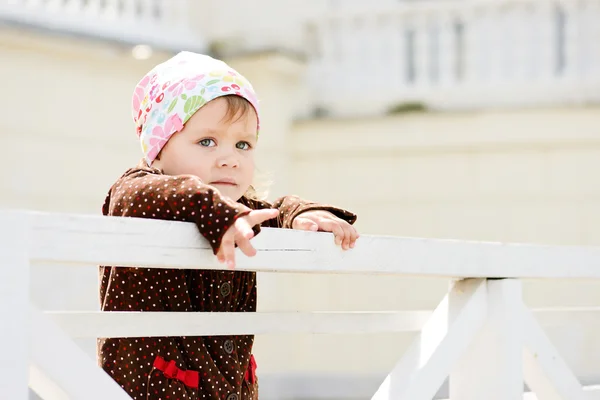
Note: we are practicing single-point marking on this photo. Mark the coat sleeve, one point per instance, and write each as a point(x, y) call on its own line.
point(291, 206)
point(179, 198)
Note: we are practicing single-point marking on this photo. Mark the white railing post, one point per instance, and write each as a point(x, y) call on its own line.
point(544, 370)
point(14, 306)
point(444, 338)
point(53, 355)
point(492, 368)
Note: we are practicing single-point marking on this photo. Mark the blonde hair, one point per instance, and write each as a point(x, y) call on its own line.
point(237, 107)
point(259, 189)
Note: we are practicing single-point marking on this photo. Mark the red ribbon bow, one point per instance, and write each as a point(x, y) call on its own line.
point(250, 374)
point(189, 378)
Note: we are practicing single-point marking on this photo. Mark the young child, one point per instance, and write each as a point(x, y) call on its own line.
point(198, 122)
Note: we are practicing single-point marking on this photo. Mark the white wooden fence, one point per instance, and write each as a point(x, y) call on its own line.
point(481, 335)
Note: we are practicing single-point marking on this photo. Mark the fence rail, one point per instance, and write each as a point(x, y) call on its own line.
point(481, 328)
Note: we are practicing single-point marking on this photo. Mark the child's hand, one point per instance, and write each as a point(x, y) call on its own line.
point(319, 220)
point(240, 233)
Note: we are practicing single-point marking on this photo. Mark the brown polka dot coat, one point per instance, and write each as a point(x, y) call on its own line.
point(170, 368)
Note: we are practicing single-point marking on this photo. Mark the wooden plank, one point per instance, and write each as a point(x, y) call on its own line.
point(592, 392)
point(14, 299)
point(44, 387)
point(81, 239)
point(496, 352)
point(135, 324)
point(546, 373)
point(54, 356)
point(425, 365)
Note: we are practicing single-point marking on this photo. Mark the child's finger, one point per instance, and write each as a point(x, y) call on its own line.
point(355, 236)
point(345, 235)
point(305, 224)
point(334, 227)
point(228, 248)
point(246, 247)
point(243, 228)
point(346, 243)
point(220, 256)
point(257, 217)
point(349, 237)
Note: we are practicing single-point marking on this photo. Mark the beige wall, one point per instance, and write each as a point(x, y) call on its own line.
point(529, 176)
point(66, 126)
point(526, 176)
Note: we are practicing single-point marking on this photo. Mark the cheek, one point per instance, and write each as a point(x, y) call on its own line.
point(249, 165)
point(187, 160)
point(198, 164)
point(250, 160)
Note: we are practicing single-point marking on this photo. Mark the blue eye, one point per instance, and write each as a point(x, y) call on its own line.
point(207, 143)
point(243, 145)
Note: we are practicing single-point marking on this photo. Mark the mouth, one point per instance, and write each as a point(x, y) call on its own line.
point(224, 182)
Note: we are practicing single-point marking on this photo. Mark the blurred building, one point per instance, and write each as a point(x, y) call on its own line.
point(454, 119)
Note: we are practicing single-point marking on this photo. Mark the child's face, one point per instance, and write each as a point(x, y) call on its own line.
point(218, 151)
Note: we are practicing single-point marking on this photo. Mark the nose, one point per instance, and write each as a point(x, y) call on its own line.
point(228, 159)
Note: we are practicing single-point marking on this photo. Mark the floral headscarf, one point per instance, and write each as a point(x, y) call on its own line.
point(168, 95)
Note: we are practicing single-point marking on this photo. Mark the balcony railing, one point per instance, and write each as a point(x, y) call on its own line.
point(390, 56)
point(161, 23)
point(457, 55)
point(481, 334)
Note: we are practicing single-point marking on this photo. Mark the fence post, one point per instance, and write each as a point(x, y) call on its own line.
point(14, 305)
point(492, 368)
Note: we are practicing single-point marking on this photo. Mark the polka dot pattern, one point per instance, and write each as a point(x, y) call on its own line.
point(220, 361)
point(144, 192)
